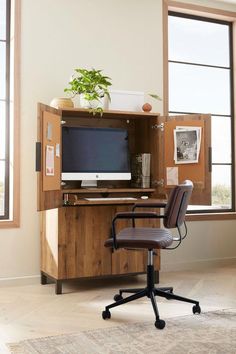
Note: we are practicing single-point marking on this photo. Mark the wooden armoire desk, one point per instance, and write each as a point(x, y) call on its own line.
point(73, 229)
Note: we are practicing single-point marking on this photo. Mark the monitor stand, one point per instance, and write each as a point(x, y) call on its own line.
point(88, 184)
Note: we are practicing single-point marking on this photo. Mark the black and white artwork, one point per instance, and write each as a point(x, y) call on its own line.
point(187, 142)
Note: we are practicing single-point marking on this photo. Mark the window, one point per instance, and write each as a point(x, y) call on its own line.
point(9, 113)
point(4, 107)
point(201, 81)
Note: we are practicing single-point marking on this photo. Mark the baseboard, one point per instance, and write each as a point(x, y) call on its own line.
point(165, 267)
point(25, 280)
point(198, 264)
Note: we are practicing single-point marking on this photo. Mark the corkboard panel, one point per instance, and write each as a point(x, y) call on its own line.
point(193, 171)
point(51, 183)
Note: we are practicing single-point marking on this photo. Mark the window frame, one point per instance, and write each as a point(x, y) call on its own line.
point(13, 115)
point(6, 100)
point(213, 14)
point(230, 115)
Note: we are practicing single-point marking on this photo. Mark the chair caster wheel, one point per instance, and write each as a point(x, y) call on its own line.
point(160, 324)
point(118, 297)
point(106, 314)
point(196, 309)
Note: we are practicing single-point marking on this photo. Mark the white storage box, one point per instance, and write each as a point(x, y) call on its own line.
point(126, 100)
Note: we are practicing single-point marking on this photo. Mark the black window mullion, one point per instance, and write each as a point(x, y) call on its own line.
point(222, 163)
point(213, 114)
point(198, 18)
point(198, 64)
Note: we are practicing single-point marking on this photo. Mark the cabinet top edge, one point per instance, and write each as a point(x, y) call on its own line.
point(106, 113)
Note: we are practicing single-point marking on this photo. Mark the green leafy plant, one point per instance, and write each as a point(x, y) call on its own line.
point(155, 96)
point(92, 84)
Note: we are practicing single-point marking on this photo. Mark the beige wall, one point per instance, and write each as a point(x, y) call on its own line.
point(122, 37)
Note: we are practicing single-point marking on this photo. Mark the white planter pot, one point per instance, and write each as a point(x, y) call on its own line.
point(91, 104)
point(62, 102)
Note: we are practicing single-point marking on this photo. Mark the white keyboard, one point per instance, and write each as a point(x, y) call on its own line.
point(107, 199)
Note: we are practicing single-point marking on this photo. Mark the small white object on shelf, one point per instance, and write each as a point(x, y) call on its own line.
point(126, 100)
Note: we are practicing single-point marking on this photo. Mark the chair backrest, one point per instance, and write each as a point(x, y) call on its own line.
point(177, 204)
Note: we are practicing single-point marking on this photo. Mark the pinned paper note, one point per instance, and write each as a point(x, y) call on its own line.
point(49, 160)
point(187, 143)
point(49, 131)
point(57, 150)
point(172, 176)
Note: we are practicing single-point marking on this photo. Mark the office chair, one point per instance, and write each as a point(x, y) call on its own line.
point(153, 238)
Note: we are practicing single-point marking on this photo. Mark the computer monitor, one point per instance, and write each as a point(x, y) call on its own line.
point(92, 154)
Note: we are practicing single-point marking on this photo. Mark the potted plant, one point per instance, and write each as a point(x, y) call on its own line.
point(92, 86)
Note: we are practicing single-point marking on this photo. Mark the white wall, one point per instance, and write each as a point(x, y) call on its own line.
point(124, 38)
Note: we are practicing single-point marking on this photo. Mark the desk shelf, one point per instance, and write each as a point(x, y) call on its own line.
point(108, 190)
point(77, 196)
point(84, 202)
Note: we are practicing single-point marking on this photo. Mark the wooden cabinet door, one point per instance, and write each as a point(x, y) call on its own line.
point(82, 233)
point(48, 158)
point(126, 261)
point(171, 173)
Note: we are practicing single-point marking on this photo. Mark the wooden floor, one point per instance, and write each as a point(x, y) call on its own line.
point(34, 311)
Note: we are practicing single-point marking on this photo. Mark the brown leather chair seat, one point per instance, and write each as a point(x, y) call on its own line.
point(142, 237)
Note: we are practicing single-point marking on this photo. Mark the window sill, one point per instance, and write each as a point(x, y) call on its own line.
point(211, 216)
point(9, 224)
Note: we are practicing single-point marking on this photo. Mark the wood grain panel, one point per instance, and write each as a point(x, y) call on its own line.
point(131, 261)
point(146, 142)
point(198, 173)
point(107, 114)
point(82, 233)
point(194, 172)
point(150, 223)
point(160, 163)
point(51, 183)
point(155, 155)
point(49, 263)
point(15, 112)
point(46, 199)
point(83, 229)
point(199, 10)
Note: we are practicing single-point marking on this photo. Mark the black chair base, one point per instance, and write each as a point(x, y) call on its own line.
point(150, 291)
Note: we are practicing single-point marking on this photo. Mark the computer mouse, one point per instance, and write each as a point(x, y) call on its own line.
point(144, 197)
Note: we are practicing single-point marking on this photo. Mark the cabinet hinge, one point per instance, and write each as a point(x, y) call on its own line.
point(158, 126)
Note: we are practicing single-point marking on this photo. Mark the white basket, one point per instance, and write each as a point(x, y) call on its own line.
point(126, 100)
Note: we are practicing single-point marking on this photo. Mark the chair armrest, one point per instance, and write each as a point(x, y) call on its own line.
point(149, 205)
point(136, 215)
